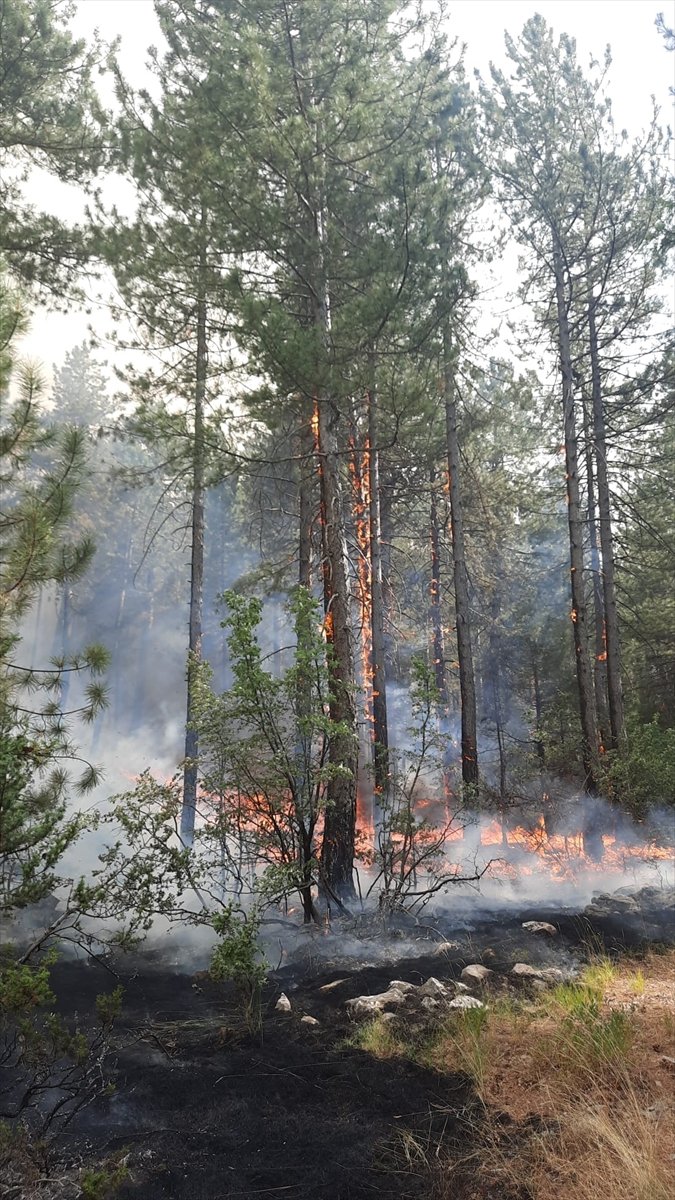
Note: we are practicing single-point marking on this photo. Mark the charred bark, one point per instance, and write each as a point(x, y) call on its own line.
point(586, 695)
point(614, 683)
point(379, 681)
point(600, 656)
point(190, 773)
point(467, 684)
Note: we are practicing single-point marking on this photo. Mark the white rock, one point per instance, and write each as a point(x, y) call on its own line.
point(283, 1004)
point(466, 1002)
point(433, 987)
point(461, 987)
point(476, 973)
point(430, 1004)
point(401, 985)
point(553, 975)
point(308, 1021)
point(370, 1006)
point(525, 971)
point(540, 927)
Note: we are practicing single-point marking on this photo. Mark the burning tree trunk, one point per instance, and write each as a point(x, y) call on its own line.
point(337, 850)
point(307, 446)
point(197, 562)
point(467, 685)
point(613, 648)
point(578, 614)
point(378, 674)
point(600, 657)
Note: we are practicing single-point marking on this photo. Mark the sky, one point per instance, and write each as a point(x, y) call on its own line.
point(641, 68)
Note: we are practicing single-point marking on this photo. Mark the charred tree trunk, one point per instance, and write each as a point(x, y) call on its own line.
point(379, 681)
point(614, 683)
point(600, 656)
point(386, 538)
point(190, 772)
point(339, 829)
point(337, 851)
point(538, 707)
point(304, 782)
point(579, 623)
point(437, 639)
point(307, 473)
point(437, 642)
point(467, 685)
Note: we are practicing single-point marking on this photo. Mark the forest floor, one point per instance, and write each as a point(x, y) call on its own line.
point(564, 1092)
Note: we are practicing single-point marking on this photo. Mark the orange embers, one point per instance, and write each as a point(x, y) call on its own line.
point(359, 475)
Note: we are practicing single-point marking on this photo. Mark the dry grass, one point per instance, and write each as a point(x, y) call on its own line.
point(584, 1076)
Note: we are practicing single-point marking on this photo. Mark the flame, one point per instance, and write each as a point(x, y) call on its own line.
point(574, 615)
point(564, 856)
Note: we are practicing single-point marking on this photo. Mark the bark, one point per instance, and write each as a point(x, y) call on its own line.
point(437, 643)
point(587, 716)
point(306, 507)
point(614, 683)
point(538, 707)
point(467, 685)
point(600, 656)
point(190, 773)
point(386, 538)
point(379, 681)
point(337, 850)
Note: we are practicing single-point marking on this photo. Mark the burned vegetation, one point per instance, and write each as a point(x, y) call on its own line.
point(337, 735)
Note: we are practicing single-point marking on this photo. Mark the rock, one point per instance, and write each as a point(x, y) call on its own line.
point(283, 1004)
point(402, 986)
point(370, 1006)
point(461, 987)
point(540, 927)
point(525, 971)
point(308, 1021)
point(429, 1003)
point(550, 975)
point(553, 975)
point(667, 1061)
point(433, 987)
point(475, 973)
point(464, 1002)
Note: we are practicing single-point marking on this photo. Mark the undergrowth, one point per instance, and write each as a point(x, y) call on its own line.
point(580, 1075)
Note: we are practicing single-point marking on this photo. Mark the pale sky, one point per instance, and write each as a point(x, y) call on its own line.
point(641, 68)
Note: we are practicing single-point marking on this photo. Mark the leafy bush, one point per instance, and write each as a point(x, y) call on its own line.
point(643, 775)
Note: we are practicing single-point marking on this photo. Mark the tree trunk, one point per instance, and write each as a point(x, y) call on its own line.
point(197, 563)
point(467, 685)
point(578, 613)
point(337, 850)
point(614, 684)
point(378, 673)
point(600, 656)
point(386, 538)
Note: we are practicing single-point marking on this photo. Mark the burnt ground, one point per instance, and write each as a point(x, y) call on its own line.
point(206, 1111)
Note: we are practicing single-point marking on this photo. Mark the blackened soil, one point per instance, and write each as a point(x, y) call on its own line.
point(207, 1111)
point(211, 1112)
